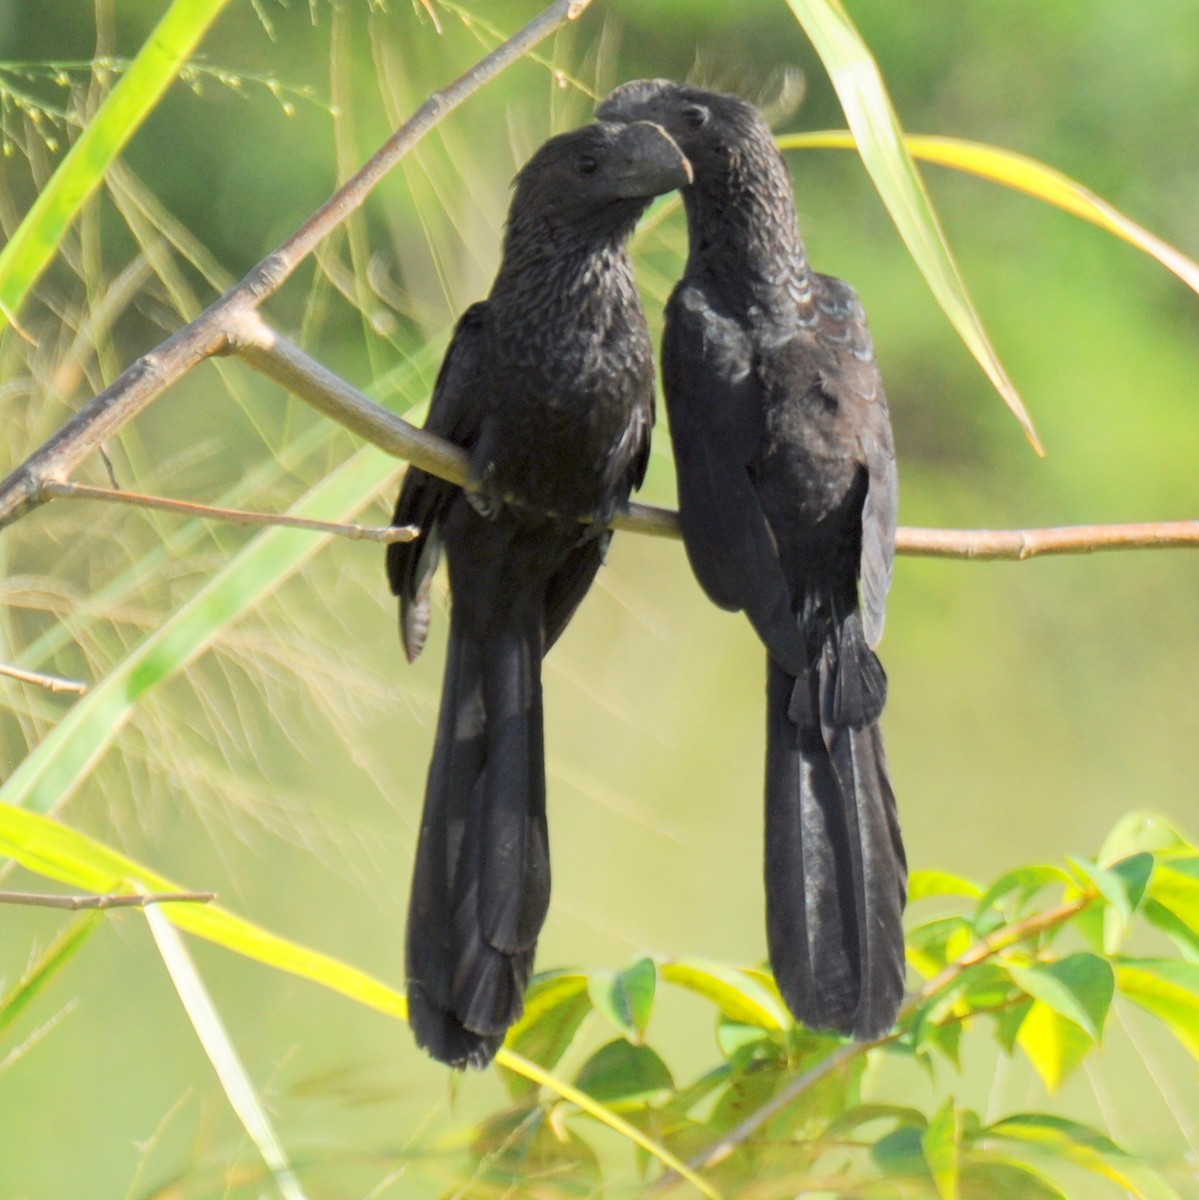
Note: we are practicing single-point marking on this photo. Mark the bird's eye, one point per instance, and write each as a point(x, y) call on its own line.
point(695, 116)
point(585, 164)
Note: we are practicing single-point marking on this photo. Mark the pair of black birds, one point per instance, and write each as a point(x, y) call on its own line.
point(787, 498)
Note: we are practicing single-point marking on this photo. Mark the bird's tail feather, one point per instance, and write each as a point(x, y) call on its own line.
point(480, 888)
point(836, 875)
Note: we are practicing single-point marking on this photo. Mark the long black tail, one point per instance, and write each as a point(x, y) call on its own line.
point(481, 885)
point(836, 875)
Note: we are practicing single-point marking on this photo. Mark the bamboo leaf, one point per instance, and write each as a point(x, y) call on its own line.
point(46, 966)
point(1025, 174)
point(879, 139)
point(38, 236)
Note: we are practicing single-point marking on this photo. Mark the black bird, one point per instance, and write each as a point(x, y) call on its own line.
point(549, 385)
point(788, 501)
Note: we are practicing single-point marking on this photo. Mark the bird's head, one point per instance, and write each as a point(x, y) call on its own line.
point(602, 174)
point(706, 125)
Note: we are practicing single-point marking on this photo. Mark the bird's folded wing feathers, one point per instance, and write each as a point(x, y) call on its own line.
point(716, 424)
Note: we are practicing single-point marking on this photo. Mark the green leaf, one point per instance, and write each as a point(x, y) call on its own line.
point(1054, 1045)
point(1175, 886)
point(37, 238)
point(1135, 872)
point(865, 1114)
point(1122, 886)
point(879, 138)
point(556, 1004)
point(932, 945)
point(1045, 1130)
point(1084, 1147)
point(627, 998)
point(739, 997)
point(1026, 881)
point(1141, 831)
point(1179, 932)
point(1078, 987)
point(994, 1178)
point(1008, 1023)
point(941, 1146)
point(924, 884)
point(901, 1153)
point(1170, 991)
point(622, 1073)
point(737, 1040)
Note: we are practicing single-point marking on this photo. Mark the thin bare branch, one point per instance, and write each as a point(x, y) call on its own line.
point(1032, 543)
point(279, 358)
point(112, 900)
point(232, 516)
point(143, 382)
point(52, 683)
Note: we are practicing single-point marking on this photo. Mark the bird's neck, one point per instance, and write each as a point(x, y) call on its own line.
point(744, 232)
point(570, 275)
point(567, 310)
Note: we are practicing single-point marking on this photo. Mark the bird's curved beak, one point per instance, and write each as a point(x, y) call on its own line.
point(648, 162)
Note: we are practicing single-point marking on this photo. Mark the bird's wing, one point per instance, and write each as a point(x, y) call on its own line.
point(714, 403)
point(454, 414)
point(857, 382)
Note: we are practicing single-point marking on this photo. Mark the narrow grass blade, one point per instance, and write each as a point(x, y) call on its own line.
point(1024, 174)
point(879, 138)
point(214, 1037)
point(46, 966)
point(37, 238)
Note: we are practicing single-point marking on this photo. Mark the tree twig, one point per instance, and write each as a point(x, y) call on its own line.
point(111, 900)
point(147, 378)
point(233, 516)
point(280, 359)
point(52, 683)
point(1020, 544)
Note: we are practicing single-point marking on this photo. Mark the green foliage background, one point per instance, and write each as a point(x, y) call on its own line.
point(1032, 705)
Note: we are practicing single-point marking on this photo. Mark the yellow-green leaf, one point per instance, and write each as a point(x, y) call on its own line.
point(740, 998)
point(941, 1143)
point(1025, 174)
point(1054, 1045)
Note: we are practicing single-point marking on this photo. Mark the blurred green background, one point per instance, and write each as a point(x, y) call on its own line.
point(1031, 704)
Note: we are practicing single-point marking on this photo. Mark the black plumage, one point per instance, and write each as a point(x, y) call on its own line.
point(788, 502)
point(548, 384)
